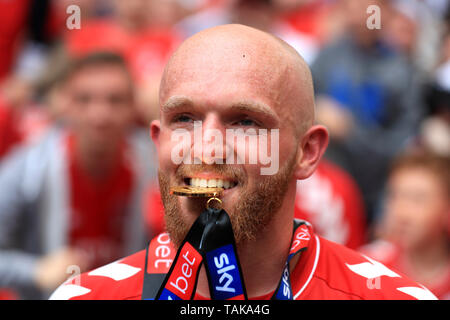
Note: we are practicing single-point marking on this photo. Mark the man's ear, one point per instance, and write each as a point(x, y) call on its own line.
point(312, 147)
point(155, 130)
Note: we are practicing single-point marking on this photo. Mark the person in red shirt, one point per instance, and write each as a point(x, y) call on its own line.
point(72, 197)
point(100, 174)
point(234, 77)
point(414, 231)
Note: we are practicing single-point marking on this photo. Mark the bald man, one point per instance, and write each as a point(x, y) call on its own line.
point(239, 80)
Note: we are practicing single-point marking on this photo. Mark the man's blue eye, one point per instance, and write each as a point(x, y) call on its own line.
point(183, 118)
point(246, 122)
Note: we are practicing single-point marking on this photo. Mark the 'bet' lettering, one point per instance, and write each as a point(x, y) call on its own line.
point(182, 279)
point(301, 239)
point(161, 254)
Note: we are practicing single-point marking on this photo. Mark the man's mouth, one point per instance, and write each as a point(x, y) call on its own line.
point(210, 183)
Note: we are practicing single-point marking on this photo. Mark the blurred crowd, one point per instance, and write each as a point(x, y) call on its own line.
point(78, 185)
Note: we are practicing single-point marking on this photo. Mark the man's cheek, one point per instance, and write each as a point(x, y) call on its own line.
point(165, 155)
point(176, 147)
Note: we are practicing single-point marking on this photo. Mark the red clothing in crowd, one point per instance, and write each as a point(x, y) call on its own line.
point(7, 294)
point(97, 209)
point(96, 35)
point(391, 255)
point(20, 127)
point(153, 210)
point(325, 270)
point(146, 51)
point(9, 130)
point(309, 18)
point(332, 202)
point(13, 17)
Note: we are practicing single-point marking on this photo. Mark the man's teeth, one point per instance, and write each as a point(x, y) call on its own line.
point(211, 183)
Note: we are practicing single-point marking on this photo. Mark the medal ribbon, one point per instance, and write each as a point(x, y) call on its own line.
point(210, 241)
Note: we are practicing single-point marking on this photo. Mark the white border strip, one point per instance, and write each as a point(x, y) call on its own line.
point(316, 260)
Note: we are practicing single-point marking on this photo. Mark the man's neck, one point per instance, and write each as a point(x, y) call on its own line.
point(263, 259)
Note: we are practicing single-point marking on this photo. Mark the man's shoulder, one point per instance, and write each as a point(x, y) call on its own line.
point(119, 280)
point(343, 273)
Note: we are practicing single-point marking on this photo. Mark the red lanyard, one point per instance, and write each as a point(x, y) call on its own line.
point(171, 275)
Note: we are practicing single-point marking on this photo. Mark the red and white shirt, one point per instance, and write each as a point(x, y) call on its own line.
point(331, 200)
point(326, 270)
point(394, 257)
point(98, 208)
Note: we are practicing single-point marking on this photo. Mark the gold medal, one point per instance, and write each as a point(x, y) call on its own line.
point(189, 191)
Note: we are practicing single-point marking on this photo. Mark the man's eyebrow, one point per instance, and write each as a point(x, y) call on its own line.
point(176, 102)
point(254, 107)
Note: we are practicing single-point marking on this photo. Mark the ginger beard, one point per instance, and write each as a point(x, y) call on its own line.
point(253, 211)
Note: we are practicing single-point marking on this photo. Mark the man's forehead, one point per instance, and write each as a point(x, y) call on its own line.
point(225, 47)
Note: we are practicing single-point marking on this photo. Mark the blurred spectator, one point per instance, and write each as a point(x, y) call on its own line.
point(43, 28)
point(28, 31)
point(368, 96)
point(414, 28)
point(435, 129)
point(401, 27)
point(73, 198)
point(321, 19)
point(415, 231)
point(142, 31)
point(205, 16)
point(332, 202)
point(329, 199)
point(266, 15)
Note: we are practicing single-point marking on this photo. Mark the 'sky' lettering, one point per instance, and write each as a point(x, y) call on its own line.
point(222, 264)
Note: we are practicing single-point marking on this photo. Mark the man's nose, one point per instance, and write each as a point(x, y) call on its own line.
point(209, 141)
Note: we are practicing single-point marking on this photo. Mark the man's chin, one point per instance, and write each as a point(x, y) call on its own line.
point(180, 220)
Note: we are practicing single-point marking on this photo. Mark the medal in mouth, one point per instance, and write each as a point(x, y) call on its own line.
point(190, 191)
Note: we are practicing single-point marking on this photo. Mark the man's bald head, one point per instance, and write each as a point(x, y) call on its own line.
point(264, 61)
point(236, 78)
